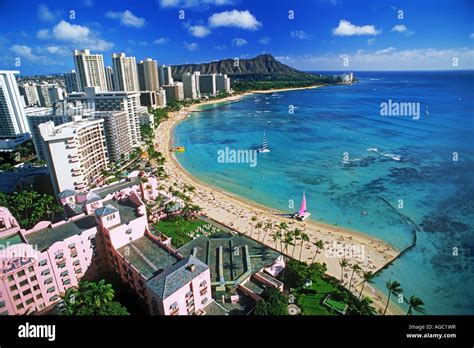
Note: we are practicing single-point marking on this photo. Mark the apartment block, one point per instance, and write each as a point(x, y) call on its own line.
point(207, 84)
point(90, 70)
point(125, 73)
point(174, 91)
point(148, 75)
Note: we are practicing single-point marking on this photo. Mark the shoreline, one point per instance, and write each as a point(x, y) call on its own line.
point(236, 211)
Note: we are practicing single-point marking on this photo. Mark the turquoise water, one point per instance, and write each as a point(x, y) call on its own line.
point(363, 191)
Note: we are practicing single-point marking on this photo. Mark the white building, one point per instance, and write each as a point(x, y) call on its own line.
point(222, 83)
point(148, 75)
point(43, 95)
point(14, 128)
point(165, 75)
point(30, 93)
point(90, 70)
point(70, 80)
point(125, 73)
point(191, 85)
point(109, 75)
point(174, 91)
point(114, 101)
point(56, 94)
point(76, 153)
point(207, 84)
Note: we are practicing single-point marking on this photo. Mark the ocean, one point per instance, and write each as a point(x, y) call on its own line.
point(389, 156)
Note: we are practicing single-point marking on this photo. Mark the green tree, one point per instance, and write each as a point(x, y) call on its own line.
point(365, 306)
point(343, 263)
point(393, 287)
point(304, 239)
point(368, 277)
point(319, 245)
point(415, 304)
point(355, 269)
point(273, 303)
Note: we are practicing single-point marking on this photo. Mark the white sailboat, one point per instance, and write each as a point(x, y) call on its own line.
point(264, 147)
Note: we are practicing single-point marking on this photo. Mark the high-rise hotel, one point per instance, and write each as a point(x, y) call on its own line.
point(125, 73)
point(90, 70)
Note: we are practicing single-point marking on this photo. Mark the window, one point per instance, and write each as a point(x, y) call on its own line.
point(31, 269)
point(31, 300)
point(51, 289)
point(26, 292)
point(54, 298)
point(10, 278)
point(43, 262)
point(204, 301)
point(36, 287)
point(13, 288)
point(48, 281)
point(72, 245)
point(2, 304)
point(20, 306)
point(33, 279)
point(63, 274)
point(21, 273)
point(67, 282)
point(39, 297)
point(203, 283)
point(23, 282)
point(174, 306)
point(75, 263)
point(16, 297)
point(46, 272)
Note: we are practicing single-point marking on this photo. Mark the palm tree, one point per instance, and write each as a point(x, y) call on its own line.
point(304, 238)
point(296, 234)
point(393, 287)
point(276, 236)
point(268, 226)
point(319, 245)
point(343, 263)
point(282, 227)
point(287, 240)
point(415, 303)
point(258, 226)
point(368, 277)
point(253, 219)
point(365, 306)
point(98, 293)
point(355, 269)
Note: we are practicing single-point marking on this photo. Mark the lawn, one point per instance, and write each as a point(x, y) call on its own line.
point(179, 234)
point(310, 298)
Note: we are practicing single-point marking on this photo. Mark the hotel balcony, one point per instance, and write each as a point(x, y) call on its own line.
point(203, 290)
point(80, 187)
point(174, 311)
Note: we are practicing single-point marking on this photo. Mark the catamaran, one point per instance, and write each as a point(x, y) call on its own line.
point(302, 214)
point(264, 147)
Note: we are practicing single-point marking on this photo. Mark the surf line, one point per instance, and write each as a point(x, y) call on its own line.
point(415, 229)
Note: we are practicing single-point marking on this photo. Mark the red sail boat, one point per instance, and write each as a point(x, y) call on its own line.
point(302, 214)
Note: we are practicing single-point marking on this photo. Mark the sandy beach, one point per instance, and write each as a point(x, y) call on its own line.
point(371, 254)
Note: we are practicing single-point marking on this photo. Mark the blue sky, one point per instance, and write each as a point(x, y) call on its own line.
point(316, 35)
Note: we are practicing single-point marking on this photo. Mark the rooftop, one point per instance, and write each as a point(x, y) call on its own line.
point(12, 240)
point(174, 278)
point(234, 249)
point(48, 236)
point(147, 257)
point(102, 192)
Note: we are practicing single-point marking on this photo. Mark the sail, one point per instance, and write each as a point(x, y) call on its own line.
point(265, 145)
point(303, 205)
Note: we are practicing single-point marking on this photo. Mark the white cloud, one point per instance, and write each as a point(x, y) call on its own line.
point(234, 18)
point(400, 28)
point(370, 41)
point(25, 52)
point(74, 35)
point(193, 3)
point(264, 40)
point(199, 31)
point(385, 50)
point(238, 42)
point(192, 46)
point(299, 34)
point(346, 28)
point(161, 40)
point(45, 14)
point(57, 50)
point(220, 47)
point(127, 18)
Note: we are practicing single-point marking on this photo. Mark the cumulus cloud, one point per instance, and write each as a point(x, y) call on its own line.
point(192, 46)
point(25, 52)
point(346, 28)
point(299, 34)
point(400, 28)
point(385, 50)
point(199, 31)
point(238, 42)
point(75, 34)
point(194, 3)
point(235, 18)
point(161, 40)
point(127, 18)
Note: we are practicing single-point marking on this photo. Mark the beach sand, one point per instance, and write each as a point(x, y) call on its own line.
point(237, 212)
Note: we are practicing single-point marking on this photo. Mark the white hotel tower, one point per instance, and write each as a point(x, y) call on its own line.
point(76, 152)
point(14, 128)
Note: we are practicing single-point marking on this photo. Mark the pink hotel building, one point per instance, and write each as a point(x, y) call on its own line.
point(108, 229)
